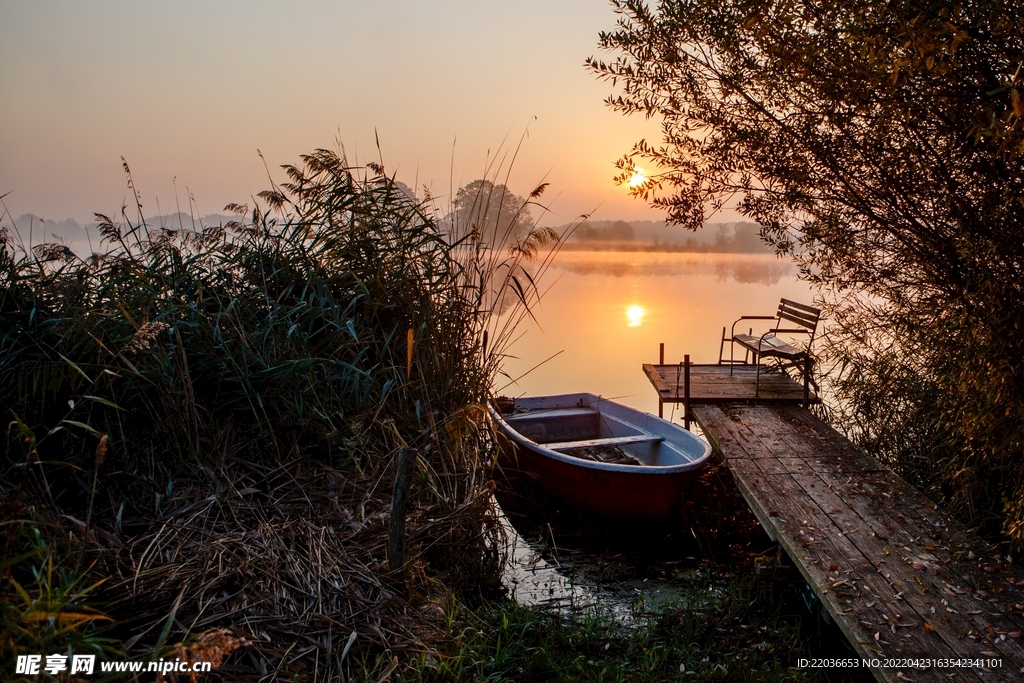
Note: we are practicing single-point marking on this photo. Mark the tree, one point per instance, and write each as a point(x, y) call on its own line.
point(498, 215)
point(879, 143)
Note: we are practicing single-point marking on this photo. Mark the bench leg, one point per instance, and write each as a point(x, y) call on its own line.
point(732, 352)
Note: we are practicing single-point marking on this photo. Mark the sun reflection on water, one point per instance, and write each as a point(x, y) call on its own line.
point(635, 316)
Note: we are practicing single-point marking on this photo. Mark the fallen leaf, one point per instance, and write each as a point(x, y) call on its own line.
point(928, 627)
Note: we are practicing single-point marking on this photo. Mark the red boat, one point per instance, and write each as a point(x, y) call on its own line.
point(601, 455)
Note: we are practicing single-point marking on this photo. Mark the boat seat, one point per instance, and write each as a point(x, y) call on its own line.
point(549, 413)
point(608, 441)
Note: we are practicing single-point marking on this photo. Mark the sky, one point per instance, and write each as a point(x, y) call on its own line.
point(187, 92)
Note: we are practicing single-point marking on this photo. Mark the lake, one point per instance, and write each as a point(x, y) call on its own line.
point(603, 315)
point(606, 312)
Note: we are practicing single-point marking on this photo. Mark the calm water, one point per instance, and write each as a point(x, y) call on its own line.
point(606, 313)
point(602, 318)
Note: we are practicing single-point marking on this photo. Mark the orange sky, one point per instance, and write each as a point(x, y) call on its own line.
point(190, 90)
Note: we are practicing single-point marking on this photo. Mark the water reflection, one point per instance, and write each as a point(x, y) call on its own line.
point(742, 268)
point(573, 581)
point(573, 562)
point(635, 316)
point(584, 322)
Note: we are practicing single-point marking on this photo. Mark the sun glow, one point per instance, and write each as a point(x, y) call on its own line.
point(635, 315)
point(637, 179)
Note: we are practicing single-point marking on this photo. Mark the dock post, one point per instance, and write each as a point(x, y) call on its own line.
point(686, 391)
point(661, 361)
point(807, 381)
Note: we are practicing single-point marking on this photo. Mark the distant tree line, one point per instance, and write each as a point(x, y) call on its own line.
point(619, 230)
point(730, 238)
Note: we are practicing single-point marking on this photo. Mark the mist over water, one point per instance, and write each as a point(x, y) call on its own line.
point(741, 268)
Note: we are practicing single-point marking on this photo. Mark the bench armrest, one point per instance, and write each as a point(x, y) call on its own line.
point(751, 317)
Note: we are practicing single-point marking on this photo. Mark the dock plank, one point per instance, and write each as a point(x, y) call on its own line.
point(822, 552)
point(899, 577)
point(716, 384)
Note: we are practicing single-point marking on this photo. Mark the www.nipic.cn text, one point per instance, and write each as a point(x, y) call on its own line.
point(56, 664)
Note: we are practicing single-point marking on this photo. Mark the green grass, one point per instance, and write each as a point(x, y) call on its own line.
point(49, 606)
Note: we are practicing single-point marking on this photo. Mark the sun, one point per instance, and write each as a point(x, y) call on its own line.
point(635, 315)
point(637, 179)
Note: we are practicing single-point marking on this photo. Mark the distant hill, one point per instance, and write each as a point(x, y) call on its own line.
point(83, 239)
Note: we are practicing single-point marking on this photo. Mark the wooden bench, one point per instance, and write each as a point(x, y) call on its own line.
point(801, 318)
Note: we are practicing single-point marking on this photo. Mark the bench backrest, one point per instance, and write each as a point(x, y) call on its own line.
point(801, 314)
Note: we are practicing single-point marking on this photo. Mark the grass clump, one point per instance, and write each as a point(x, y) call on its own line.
point(204, 424)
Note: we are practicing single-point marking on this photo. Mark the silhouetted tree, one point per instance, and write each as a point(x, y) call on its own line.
point(492, 209)
point(879, 142)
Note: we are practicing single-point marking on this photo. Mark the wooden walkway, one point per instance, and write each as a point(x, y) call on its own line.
point(900, 578)
point(715, 384)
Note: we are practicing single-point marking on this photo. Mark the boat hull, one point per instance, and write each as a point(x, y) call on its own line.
point(652, 488)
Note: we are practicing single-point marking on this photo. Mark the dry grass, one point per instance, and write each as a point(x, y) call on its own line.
point(292, 559)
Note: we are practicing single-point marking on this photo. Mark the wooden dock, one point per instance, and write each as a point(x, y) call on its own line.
point(724, 384)
point(902, 580)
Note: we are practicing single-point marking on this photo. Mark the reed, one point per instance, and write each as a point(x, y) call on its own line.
point(252, 384)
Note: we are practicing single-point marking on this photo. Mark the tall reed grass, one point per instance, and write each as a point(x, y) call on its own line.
point(253, 378)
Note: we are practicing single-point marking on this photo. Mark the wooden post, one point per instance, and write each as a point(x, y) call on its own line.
point(686, 391)
point(661, 361)
point(679, 376)
point(399, 503)
point(807, 381)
